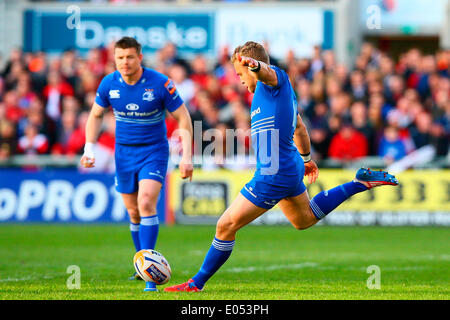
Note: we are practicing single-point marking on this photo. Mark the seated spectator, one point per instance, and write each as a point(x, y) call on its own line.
point(320, 141)
point(348, 144)
point(65, 130)
point(13, 111)
point(357, 86)
point(8, 139)
point(392, 147)
point(420, 132)
point(199, 71)
point(304, 98)
point(33, 142)
point(75, 143)
point(360, 122)
point(184, 85)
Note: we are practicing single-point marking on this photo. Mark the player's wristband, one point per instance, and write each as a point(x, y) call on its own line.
point(89, 149)
point(306, 157)
point(255, 69)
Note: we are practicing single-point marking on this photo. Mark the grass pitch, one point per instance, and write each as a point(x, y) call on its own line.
point(268, 262)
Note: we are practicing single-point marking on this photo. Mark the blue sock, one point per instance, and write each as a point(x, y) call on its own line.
point(218, 253)
point(134, 229)
point(326, 201)
point(148, 232)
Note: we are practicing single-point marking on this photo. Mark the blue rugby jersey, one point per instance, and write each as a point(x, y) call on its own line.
point(139, 109)
point(273, 121)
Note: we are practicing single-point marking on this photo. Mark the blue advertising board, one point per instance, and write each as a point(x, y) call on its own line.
point(54, 31)
point(62, 195)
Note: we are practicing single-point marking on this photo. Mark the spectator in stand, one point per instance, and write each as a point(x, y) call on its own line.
point(394, 90)
point(65, 130)
point(357, 85)
point(184, 85)
point(360, 122)
point(8, 139)
point(392, 147)
point(304, 98)
point(13, 111)
point(420, 132)
point(55, 89)
point(320, 141)
point(200, 72)
point(33, 142)
point(378, 91)
point(24, 91)
point(168, 55)
point(75, 143)
point(348, 144)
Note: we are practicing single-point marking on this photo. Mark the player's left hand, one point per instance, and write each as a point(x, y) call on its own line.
point(311, 171)
point(186, 169)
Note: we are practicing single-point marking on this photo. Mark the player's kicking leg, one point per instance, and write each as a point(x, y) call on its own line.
point(303, 213)
point(240, 213)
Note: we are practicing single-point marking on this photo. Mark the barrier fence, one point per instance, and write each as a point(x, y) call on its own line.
point(69, 196)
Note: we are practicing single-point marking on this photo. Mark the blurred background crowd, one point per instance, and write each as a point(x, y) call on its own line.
point(381, 106)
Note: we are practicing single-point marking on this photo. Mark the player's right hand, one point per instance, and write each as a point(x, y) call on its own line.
point(247, 61)
point(87, 162)
point(88, 158)
point(311, 171)
point(186, 169)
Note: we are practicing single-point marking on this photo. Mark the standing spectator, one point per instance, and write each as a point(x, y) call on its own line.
point(56, 88)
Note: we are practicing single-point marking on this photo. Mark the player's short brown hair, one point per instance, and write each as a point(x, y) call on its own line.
point(128, 42)
point(253, 50)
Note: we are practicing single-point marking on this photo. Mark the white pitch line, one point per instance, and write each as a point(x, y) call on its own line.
point(272, 267)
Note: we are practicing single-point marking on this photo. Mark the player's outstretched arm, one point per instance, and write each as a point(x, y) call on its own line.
point(93, 126)
point(303, 143)
point(261, 70)
point(185, 129)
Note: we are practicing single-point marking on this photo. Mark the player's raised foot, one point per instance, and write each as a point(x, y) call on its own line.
point(135, 276)
point(150, 286)
point(371, 178)
point(186, 287)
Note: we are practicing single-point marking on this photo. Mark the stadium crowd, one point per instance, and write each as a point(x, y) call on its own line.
point(379, 107)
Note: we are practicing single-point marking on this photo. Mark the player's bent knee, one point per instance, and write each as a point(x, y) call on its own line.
point(306, 220)
point(226, 228)
point(300, 226)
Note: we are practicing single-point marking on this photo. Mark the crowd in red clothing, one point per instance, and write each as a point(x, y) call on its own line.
point(379, 106)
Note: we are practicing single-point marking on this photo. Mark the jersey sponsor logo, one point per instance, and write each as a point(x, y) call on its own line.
point(148, 95)
point(114, 94)
point(255, 112)
point(132, 106)
point(170, 86)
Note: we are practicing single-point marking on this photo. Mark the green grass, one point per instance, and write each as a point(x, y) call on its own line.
point(268, 263)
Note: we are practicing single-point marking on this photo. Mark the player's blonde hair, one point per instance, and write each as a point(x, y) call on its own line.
point(253, 50)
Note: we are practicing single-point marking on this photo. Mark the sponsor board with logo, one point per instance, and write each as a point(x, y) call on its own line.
point(62, 195)
point(422, 198)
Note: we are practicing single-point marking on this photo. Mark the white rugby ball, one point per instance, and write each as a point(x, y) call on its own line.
point(152, 266)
